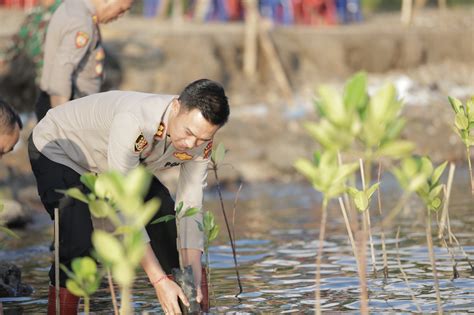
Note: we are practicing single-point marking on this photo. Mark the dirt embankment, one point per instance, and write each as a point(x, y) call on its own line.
point(428, 61)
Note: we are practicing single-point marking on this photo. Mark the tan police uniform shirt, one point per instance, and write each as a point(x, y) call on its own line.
point(120, 130)
point(73, 54)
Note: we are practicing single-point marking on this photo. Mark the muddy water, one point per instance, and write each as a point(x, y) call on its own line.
point(276, 232)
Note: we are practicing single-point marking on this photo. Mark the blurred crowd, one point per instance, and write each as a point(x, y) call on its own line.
point(288, 12)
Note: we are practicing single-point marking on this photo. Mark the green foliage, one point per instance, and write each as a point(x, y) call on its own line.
point(463, 119)
point(325, 173)
point(209, 227)
point(418, 175)
point(218, 154)
point(362, 197)
point(84, 279)
point(357, 120)
point(4, 229)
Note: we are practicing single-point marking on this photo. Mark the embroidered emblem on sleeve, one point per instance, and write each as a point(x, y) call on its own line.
point(140, 143)
point(99, 69)
point(208, 149)
point(81, 39)
point(160, 131)
point(183, 156)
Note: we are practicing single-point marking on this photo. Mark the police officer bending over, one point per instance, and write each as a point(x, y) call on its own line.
point(118, 131)
point(10, 126)
point(73, 53)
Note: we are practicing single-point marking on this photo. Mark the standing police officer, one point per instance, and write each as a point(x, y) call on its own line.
point(73, 53)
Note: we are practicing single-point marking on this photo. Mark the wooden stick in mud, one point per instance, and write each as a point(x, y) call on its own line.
point(271, 54)
point(384, 249)
point(56, 259)
point(251, 38)
point(429, 240)
point(444, 214)
point(364, 296)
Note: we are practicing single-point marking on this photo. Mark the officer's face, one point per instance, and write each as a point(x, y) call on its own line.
point(110, 10)
point(189, 129)
point(8, 140)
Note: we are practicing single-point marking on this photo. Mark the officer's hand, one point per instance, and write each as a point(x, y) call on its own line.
point(197, 284)
point(168, 293)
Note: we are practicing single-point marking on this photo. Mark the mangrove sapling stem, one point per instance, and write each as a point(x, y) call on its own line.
point(126, 305)
point(112, 291)
point(462, 251)
point(384, 249)
point(429, 240)
point(405, 278)
point(468, 151)
point(364, 295)
point(352, 212)
point(234, 208)
point(348, 227)
point(232, 244)
point(87, 305)
point(447, 196)
point(322, 230)
point(367, 219)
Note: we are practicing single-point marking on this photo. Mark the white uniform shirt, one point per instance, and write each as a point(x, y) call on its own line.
point(116, 131)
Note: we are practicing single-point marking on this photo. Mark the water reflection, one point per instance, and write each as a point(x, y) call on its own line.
point(276, 229)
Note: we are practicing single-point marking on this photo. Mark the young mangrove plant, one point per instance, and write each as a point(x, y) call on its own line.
point(463, 125)
point(329, 177)
point(217, 156)
point(425, 182)
point(84, 279)
point(3, 228)
point(120, 198)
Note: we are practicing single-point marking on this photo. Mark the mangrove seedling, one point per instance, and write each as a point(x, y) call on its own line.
point(217, 156)
point(329, 177)
point(3, 228)
point(463, 125)
point(84, 279)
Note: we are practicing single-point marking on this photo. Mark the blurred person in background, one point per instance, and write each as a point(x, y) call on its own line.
point(10, 126)
point(73, 53)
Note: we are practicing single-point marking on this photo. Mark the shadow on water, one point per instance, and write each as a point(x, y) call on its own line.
point(276, 233)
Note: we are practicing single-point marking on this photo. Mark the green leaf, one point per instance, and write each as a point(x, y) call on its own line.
point(165, 219)
point(179, 207)
point(100, 208)
point(436, 203)
point(74, 288)
point(461, 122)
point(333, 105)
point(355, 95)
point(218, 154)
point(361, 201)
point(435, 192)
point(190, 212)
point(214, 233)
point(455, 104)
point(76, 193)
point(8, 232)
point(438, 172)
point(89, 179)
point(148, 211)
point(88, 266)
point(137, 182)
point(371, 190)
point(123, 273)
point(136, 248)
point(381, 106)
point(107, 246)
point(306, 168)
point(396, 149)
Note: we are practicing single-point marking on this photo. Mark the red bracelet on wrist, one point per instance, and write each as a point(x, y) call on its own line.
point(163, 277)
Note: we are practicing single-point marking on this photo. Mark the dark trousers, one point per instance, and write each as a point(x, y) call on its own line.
point(75, 224)
point(42, 105)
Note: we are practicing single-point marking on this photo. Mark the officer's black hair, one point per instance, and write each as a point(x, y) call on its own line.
point(209, 97)
point(8, 117)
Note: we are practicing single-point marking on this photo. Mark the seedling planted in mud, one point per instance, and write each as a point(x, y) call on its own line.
point(463, 125)
point(328, 177)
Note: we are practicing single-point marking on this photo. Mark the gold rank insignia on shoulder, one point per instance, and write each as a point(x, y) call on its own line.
point(81, 39)
point(140, 143)
point(183, 156)
point(160, 130)
point(208, 149)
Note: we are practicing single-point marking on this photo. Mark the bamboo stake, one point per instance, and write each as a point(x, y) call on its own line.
point(322, 230)
point(429, 240)
point(272, 56)
point(364, 296)
point(367, 219)
point(384, 249)
point(251, 38)
point(56, 259)
point(444, 215)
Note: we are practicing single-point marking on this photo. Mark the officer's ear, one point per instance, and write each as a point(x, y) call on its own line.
point(176, 105)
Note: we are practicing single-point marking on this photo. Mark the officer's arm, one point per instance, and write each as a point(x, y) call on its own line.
point(124, 150)
point(75, 42)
